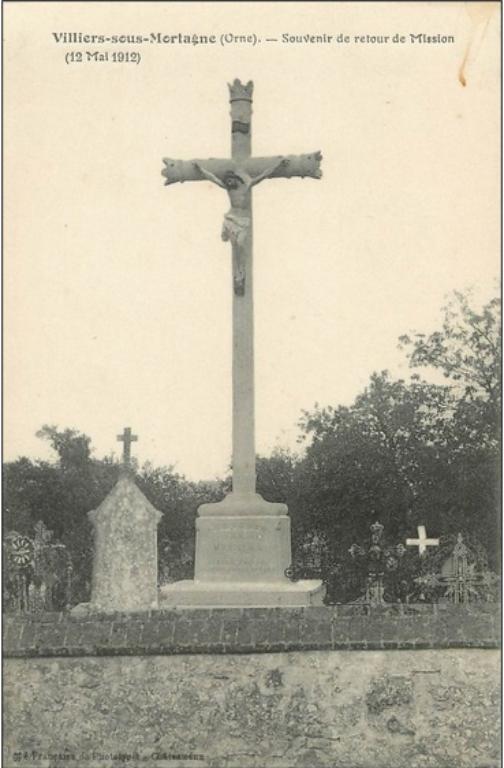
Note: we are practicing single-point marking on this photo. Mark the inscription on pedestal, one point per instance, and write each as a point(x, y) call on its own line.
point(242, 549)
point(233, 556)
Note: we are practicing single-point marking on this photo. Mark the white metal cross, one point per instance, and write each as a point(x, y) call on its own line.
point(422, 542)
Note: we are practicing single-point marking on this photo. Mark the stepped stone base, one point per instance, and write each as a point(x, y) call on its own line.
point(242, 504)
point(215, 594)
point(243, 548)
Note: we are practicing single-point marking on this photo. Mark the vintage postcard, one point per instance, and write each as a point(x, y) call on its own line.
point(251, 384)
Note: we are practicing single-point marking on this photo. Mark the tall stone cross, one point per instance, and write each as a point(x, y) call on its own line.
point(237, 175)
point(126, 439)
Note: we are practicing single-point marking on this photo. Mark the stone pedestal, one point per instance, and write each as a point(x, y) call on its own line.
point(125, 552)
point(243, 547)
point(231, 549)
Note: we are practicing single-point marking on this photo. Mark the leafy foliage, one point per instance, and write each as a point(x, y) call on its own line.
point(411, 453)
point(405, 453)
point(61, 493)
point(468, 352)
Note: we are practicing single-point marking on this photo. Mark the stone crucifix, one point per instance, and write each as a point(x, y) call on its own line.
point(238, 175)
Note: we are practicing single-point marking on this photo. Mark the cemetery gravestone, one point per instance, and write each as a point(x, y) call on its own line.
point(125, 547)
point(466, 576)
point(37, 572)
point(52, 572)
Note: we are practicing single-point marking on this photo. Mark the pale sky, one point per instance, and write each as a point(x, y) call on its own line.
point(117, 289)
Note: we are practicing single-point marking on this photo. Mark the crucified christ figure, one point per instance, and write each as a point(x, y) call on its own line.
point(238, 184)
point(237, 174)
point(237, 221)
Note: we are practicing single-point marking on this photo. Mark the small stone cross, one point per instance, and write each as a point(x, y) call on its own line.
point(127, 438)
point(422, 542)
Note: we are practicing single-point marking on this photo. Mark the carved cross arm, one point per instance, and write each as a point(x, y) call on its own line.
point(189, 170)
point(292, 165)
point(287, 166)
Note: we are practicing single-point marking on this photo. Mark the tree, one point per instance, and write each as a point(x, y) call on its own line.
point(71, 446)
point(409, 453)
point(468, 352)
point(375, 459)
point(62, 492)
point(405, 453)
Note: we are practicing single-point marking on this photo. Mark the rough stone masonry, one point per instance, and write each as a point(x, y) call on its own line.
point(319, 687)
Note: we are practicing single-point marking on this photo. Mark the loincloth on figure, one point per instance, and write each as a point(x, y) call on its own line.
point(235, 227)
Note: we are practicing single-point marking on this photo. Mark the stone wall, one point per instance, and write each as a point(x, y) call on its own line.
point(111, 691)
point(245, 630)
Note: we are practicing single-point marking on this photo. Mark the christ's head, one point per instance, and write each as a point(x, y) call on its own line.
point(232, 180)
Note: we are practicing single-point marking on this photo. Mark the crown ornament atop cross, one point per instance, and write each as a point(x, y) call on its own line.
point(240, 92)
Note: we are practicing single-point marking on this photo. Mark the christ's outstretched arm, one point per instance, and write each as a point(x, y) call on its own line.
point(268, 172)
point(210, 176)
